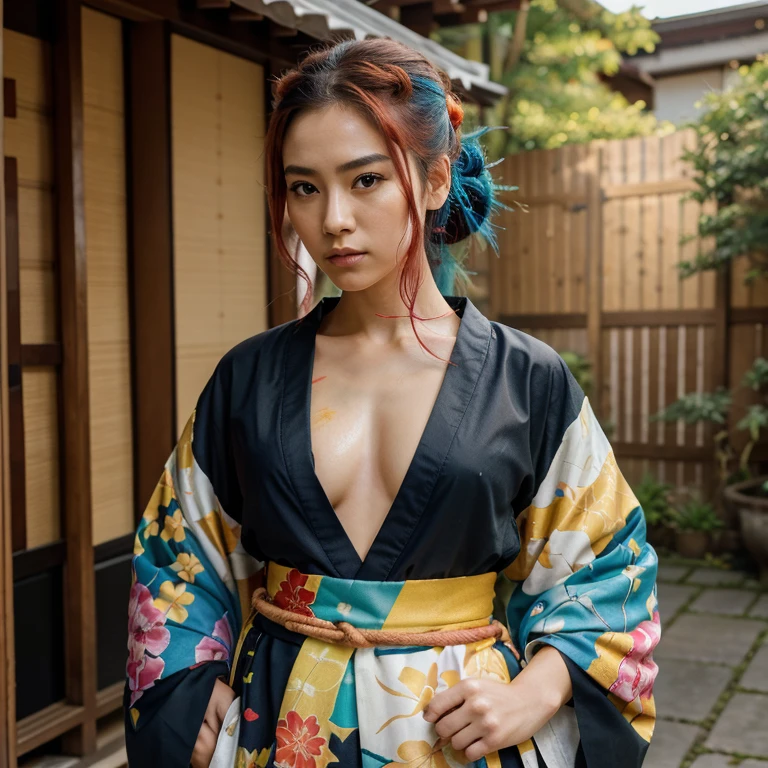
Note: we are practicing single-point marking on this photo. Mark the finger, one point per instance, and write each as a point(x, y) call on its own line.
point(479, 749)
point(453, 721)
point(204, 747)
point(466, 736)
point(446, 700)
point(224, 698)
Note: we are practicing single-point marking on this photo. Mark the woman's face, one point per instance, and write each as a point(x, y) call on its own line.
point(344, 193)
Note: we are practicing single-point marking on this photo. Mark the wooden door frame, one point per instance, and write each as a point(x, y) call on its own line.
point(79, 587)
point(7, 674)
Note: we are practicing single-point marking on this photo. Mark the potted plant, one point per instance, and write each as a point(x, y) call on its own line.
point(747, 498)
point(733, 464)
point(695, 520)
point(654, 500)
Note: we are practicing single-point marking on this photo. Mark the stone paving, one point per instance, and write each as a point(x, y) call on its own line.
point(712, 689)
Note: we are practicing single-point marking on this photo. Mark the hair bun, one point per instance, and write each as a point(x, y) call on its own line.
point(470, 202)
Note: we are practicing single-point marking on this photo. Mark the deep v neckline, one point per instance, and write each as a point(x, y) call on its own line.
point(414, 458)
point(426, 462)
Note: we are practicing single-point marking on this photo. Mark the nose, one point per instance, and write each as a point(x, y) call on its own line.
point(339, 217)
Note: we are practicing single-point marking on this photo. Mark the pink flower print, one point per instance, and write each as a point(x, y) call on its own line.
point(222, 631)
point(637, 670)
point(209, 649)
point(292, 596)
point(212, 649)
point(142, 674)
point(146, 625)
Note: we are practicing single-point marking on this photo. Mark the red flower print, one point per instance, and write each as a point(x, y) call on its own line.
point(292, 596)
point(250, 715)
point(297, 741)
point(637, 670)
point(146, 630)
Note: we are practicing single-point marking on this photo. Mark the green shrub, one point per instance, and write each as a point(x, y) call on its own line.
point(730, 165)
point(695, 514)
point(654, 500)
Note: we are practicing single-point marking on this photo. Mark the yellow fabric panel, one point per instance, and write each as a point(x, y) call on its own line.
point(437, 603)
point(599, 510)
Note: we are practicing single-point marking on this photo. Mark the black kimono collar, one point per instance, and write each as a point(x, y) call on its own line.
point(469, 355)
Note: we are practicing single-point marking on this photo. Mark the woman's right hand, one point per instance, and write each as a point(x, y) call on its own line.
point(221, 698)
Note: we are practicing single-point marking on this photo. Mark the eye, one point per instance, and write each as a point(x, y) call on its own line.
point(303, 184)
point(368, 180)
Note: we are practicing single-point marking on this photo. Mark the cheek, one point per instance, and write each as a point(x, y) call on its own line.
point(388, 214)
point(305, 220)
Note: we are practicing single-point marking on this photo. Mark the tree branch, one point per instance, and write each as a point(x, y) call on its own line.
point(584, 10)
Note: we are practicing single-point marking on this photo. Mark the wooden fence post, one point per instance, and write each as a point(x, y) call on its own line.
point(594, 274)
point(722, 364)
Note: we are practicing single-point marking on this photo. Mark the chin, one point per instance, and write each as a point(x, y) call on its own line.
point(345, 280)
point(348, 283)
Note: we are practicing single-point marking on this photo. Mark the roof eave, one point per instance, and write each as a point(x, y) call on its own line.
point(334, 19)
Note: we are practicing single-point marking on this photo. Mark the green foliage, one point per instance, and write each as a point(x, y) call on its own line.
point(557, 95)
point(757, 376)
point(581, 369)
point(730, 162)
point(654, 500)
point(695, 407)
point(755, 420)
point(696, 515)
point(714, 408)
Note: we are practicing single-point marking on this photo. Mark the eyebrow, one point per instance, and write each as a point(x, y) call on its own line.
point(301, 170)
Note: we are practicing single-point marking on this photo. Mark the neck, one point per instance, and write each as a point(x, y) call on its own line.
point(380, 315)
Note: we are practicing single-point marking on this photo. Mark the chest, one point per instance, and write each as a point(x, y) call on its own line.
point(368, 413)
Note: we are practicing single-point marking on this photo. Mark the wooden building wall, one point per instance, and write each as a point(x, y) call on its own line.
point(84, 142)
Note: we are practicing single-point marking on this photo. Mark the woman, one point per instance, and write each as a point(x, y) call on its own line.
point(405, 469)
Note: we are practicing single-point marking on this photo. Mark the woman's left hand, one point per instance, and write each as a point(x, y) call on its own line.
point(480, 716)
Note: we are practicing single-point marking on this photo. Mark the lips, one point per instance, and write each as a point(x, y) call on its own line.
point(346, 259)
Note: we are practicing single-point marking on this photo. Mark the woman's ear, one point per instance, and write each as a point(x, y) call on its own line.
point(438, 183)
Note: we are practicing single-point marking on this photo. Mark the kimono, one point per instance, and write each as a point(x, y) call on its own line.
point(513, 507)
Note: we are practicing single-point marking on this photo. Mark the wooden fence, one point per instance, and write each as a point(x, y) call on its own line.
point(591, 268)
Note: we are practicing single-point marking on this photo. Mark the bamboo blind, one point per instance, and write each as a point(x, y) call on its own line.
point(220, 267)
point(29, 138)
point(109, 353)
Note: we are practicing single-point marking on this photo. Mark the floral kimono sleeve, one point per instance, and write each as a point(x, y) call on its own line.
point(585, 581)
point(191, 585)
